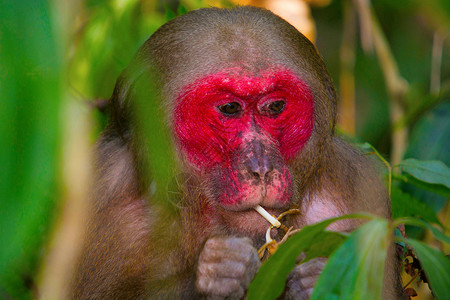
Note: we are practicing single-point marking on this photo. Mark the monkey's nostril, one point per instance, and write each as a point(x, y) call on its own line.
point(256, 175)
point(259, 168)
point(261, 174)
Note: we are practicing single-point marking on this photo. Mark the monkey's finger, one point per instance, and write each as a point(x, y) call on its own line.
point(245, 256)
point(224, 269)
point(219, 242)
point(309, 281)
point(299, 294)
point(224, 287)
point(312, 267)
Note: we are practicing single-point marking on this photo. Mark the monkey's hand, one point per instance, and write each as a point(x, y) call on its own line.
point(226, 267)
point(301, 280)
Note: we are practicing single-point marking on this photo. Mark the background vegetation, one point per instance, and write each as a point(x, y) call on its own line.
point(59, 61)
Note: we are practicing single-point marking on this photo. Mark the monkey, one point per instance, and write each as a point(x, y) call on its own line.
point(251, 110)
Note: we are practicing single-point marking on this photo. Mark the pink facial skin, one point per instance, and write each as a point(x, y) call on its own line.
point(225, 147)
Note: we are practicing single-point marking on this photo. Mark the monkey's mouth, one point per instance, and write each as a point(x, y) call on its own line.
point(238, 193)
point(248, 221)
point(250, 197)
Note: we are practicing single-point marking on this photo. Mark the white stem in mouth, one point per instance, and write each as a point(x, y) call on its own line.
point(268, 238)
point(267, 216)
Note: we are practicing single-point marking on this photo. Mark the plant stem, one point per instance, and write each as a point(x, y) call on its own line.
point(346, 77)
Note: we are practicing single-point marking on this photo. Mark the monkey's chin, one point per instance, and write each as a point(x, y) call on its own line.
point(248, 222)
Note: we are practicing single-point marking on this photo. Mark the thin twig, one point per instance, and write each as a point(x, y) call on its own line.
point(436, 62)
point(412, 279)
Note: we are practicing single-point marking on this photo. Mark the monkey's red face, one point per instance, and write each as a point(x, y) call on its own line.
point(240, 132)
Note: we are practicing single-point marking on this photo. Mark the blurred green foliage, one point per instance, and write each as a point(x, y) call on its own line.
point(409, 29)
point(31, 95)
point(270, 279)
point(38, 71)
point(426, 143)
point(109, 36)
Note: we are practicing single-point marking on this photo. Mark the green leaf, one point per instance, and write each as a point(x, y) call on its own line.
point(405, 205)
point(432, 171)
point(271, 277)
point(159, 163)
point(31, 97)
point(418, 222)
point(359, 263)
point(435, 188)
point(324, 245)
point(429, 141)
point(436, 267)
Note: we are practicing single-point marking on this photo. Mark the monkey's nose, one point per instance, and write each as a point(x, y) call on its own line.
point(259, 167)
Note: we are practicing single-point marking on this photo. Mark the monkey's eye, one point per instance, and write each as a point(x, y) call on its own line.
point(274, 108)
point(230, 109)
point(277, 106)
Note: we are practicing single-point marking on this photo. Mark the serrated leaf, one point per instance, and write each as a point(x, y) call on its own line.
point(432, 171)
point(271, 277)
point(405, 205)
point(436, 267)
point(359, 262)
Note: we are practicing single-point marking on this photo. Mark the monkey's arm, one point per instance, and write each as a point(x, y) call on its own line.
point(114, 261)
point(125, 251)
point(350, 184)
point(134, 252)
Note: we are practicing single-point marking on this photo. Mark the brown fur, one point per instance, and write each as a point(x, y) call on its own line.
point(134, 249)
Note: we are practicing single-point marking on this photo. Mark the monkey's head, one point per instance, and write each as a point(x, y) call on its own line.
point(248, 100)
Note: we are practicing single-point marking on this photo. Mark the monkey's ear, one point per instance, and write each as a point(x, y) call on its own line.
point(125, 91)
point(119, 117)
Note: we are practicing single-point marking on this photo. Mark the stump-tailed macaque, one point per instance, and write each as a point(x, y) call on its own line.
point(252, 111)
